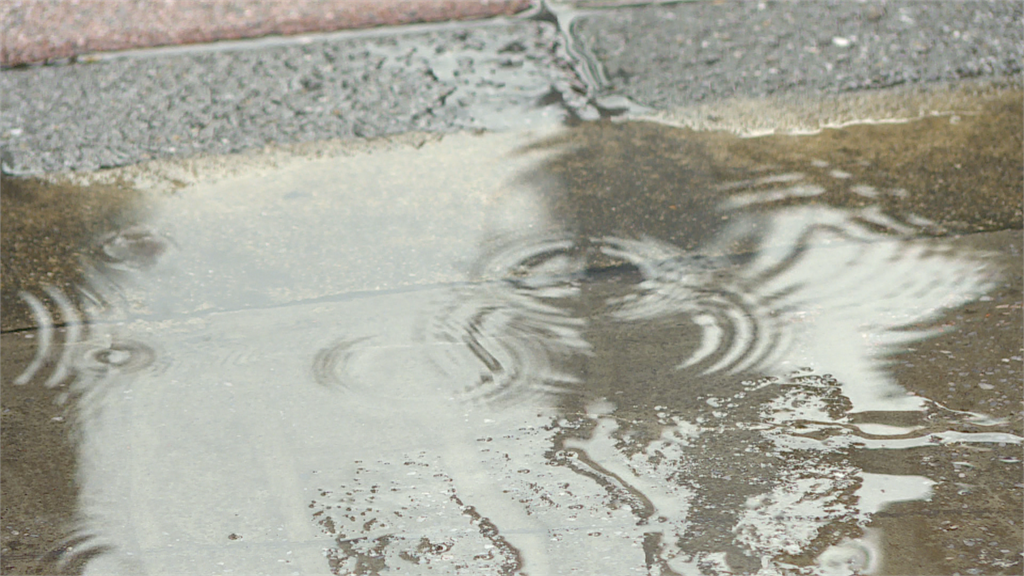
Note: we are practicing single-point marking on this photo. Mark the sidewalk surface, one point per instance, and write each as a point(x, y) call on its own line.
point(34, 31)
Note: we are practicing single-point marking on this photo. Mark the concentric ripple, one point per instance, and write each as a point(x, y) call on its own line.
point(738, 331)
point(516, 319)
point(498, 338)
point(124, 356)
point(825, 286)
point(45, 325)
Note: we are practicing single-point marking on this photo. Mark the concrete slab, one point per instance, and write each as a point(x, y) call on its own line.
point(40, 31)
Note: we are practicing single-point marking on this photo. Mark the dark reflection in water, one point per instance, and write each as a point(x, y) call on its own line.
point(669, 363)
point(46, 230)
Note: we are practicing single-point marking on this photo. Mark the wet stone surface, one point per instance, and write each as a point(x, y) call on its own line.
point(618, 348)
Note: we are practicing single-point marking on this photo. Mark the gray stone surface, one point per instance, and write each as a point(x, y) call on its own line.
point(120, 110)
point(673, 55)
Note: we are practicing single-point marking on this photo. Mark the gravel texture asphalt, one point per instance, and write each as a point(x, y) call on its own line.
point(665, 56)
point(123, 108)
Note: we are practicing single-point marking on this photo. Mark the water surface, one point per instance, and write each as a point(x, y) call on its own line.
point(622, 348)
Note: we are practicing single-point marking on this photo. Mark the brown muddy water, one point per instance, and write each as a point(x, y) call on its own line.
point(619, 348)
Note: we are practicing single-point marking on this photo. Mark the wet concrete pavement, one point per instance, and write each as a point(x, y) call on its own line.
point(612, 347)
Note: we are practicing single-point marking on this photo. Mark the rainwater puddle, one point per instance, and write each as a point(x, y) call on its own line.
point(621, 348)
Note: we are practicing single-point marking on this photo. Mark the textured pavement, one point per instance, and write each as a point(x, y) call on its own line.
point(664, 56)
point(121, 109)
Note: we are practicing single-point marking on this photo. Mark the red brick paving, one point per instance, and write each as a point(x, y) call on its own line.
point(41, 30)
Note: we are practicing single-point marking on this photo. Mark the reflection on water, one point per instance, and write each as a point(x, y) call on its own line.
point(550, 399)
point(847, 294)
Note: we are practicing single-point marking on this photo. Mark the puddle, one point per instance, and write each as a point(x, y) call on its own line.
point(618, 348)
